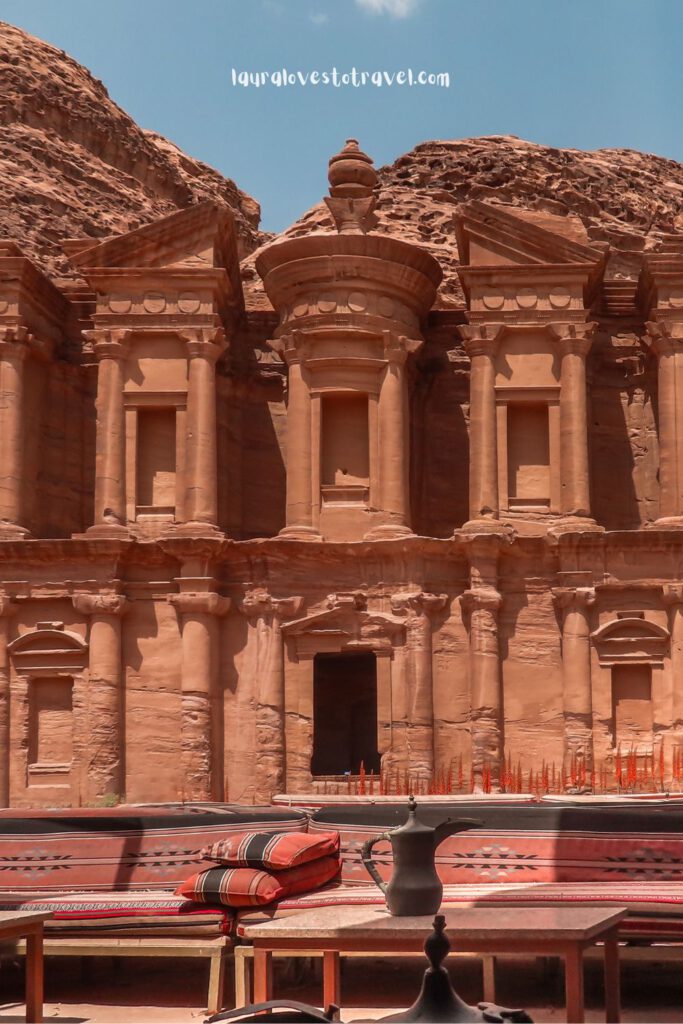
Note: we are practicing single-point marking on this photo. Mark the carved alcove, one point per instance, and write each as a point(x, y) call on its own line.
point(48, 716)
point(345, 630)
point(629, 683)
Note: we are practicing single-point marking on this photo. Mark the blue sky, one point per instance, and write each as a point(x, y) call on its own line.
point(579, 73)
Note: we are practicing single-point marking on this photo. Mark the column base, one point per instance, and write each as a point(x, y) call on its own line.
point(193, 529)
point(389, 531)
point(11, 531)
point(667, 523)
point(574, 524)
point(300, 533)
point(486, 525)
point(104, 531)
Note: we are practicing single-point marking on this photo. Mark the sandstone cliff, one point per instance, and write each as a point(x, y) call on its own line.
point(620, 196)
point(72, 163)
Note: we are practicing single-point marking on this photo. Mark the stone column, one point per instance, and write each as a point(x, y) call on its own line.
point(105, 766)
point(299, 514)
point(14, 350)
point(110, 446)
point(480, 344)
point(574, 604)
point(394, 440)
point(197, 610)
point(669, 397)
point(574, 346)
point(7, 609)
point(673, 597)
point(418, 608)
point(266, 614)
point(204, 346)
point(486, 714)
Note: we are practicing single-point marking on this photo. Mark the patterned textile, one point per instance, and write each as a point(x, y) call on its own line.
point(514, 855)
point(140, 913)
point(274, 851)
point(646, 901)
point(115, 853)
point(250, 887)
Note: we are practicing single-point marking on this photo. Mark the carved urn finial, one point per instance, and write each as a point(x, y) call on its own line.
point(353, 180)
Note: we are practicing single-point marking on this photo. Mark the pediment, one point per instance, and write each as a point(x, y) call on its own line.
point(345, 621)
point(492, 235)
point(201, 236)
point(631, 640)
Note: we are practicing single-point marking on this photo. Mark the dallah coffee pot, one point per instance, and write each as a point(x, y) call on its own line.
point(415, 888)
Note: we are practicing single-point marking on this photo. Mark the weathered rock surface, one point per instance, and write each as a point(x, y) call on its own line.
point(621, 196)
point(73, 163)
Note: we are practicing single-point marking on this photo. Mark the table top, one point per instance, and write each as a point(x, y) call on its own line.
point(11, 919)
point(475, 924)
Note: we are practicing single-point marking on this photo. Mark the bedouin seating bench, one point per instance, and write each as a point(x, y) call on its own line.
point(109, 878)
point(532, 854)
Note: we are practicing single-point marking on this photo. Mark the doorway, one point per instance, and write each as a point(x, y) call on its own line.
point(344, 714)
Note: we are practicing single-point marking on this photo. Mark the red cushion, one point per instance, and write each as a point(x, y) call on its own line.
point(250, 887)
point(278, 851)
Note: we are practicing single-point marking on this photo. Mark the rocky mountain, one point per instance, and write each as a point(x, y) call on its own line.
point(620, 196)
point(73, 163)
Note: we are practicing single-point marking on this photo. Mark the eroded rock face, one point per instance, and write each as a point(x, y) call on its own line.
point(73, 164)
point(620, 196)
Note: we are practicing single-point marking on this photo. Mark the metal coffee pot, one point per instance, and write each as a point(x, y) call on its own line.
point(415, 888)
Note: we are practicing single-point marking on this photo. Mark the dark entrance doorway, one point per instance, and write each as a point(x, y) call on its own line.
point(344, 714)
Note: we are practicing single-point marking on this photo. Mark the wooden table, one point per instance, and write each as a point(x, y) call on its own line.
point(557, 931)
point(27, 924)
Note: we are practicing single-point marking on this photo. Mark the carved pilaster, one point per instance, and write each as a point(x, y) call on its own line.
point(7, 610)
point(481, 342)
point(574, 605)
point(266, 615)
point(105, 775)
point(197, 610)
point(672, 596)
point(481, 607)
point(666, 341)
point(110, 348)
point(15, 344)
point(418, 608)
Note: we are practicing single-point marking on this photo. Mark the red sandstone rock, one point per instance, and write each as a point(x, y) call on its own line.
point(73, 164)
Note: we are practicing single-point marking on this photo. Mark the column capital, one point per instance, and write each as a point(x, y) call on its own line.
point(110, 603)
point(205, 602)
point(260, 603)
point(672, 593)
point(15, 341)
point(108, 343)
point(574, 598)
point(397, 347)
point(481, 339)
point(204, 342)
point(573, 337)
point(293, 347)
point(659, 335)
point(417, 602)
point(486, 598)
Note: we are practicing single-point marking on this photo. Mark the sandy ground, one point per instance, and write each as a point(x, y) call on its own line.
point(108, 991)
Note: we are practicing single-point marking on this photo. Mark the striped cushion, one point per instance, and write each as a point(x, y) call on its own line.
point(275, 851)
point(250, 887)
point(121, 913)
point(645, 900)
point(119, 852)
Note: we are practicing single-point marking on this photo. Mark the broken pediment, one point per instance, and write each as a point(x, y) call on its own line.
point(200, 237)
point(489, 236)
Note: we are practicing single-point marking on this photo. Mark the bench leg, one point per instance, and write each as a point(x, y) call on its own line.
point(331, 978)
point(612, 980)
point(573, 967)
point(216, 979)
point(263, 975)
point(34, 976)
point(488, 970)
point(242, 976)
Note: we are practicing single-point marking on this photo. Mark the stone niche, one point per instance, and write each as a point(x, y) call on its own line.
point(631, 684)
point(50, 725)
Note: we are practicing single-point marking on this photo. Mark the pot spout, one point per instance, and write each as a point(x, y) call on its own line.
point(451, 826)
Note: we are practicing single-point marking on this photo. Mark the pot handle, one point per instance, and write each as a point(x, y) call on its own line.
point(370, 864)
